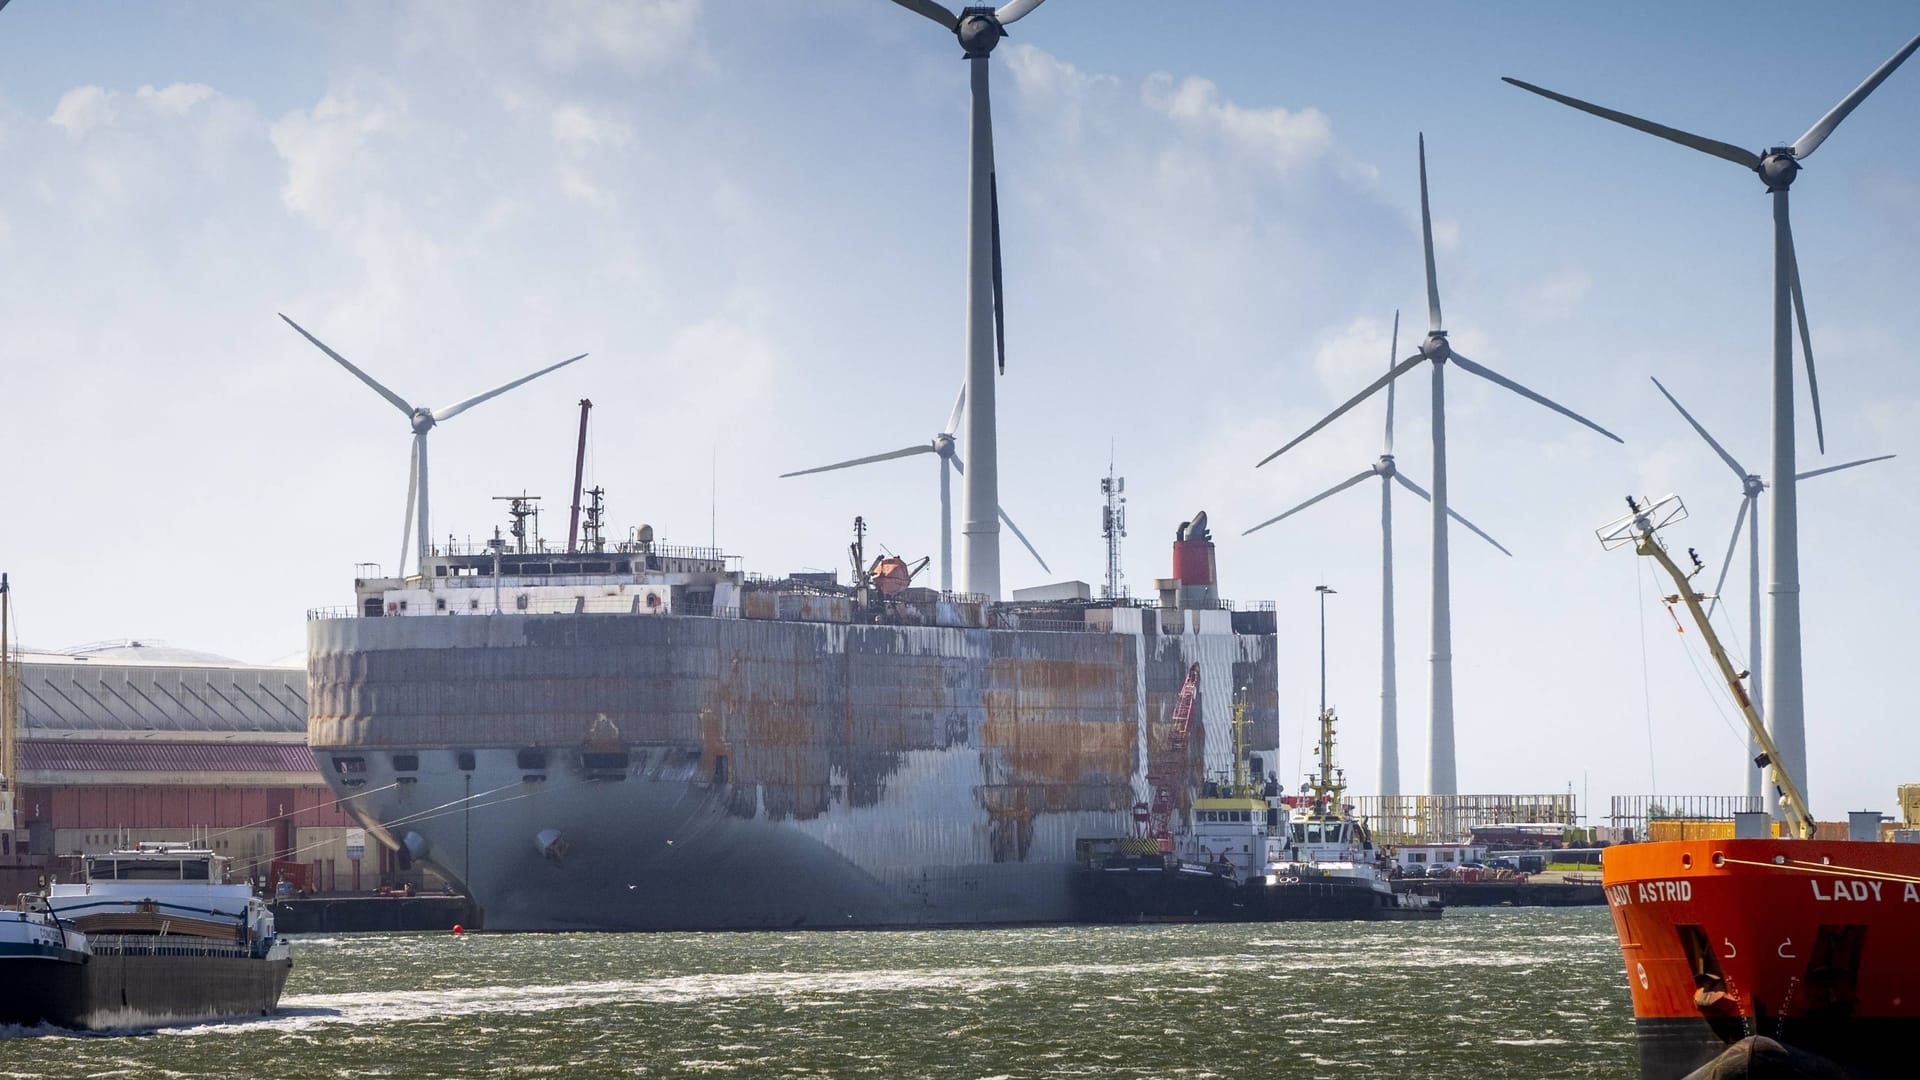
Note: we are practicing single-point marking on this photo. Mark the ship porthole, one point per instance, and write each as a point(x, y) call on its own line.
point(1719, 858)
point(1779, 860)
point(1686, 862)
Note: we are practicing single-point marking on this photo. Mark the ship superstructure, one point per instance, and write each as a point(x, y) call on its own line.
point(639, 735)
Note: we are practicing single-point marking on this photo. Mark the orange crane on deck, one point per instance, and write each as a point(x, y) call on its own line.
point(1167, 770)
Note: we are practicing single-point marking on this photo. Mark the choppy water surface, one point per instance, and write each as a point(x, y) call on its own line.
point(1522, 993)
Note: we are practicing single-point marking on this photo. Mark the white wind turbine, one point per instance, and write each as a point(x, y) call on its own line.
point(943, 446)
point(1751, 485)
point(1389, 474)
point(979, 29)
point(1441, 775)
point(423, 420)
point(1785, 701)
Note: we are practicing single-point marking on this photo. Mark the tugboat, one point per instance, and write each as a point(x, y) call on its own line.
point(167, 941)
point(1252, 854)
point(43, 967)
point(1326, 865)
point(1789, 955)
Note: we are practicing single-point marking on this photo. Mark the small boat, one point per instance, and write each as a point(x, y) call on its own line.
point(1252, 854)
point(167, 940)
point(43, 967)
point(1757, 954)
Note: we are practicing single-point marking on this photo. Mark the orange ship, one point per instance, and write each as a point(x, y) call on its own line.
point(1786, 956)
point(1814, 944)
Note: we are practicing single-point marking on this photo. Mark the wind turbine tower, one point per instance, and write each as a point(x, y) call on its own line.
point(1389, 474)
point(1442, 777)
point(978, 30)
point(1777, 167)
point(1751, 486)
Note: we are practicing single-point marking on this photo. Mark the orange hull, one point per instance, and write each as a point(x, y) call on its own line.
point(1813, 943)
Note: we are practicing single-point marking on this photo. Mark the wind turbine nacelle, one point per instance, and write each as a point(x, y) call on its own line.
point(1778, 168)
point(979, 31)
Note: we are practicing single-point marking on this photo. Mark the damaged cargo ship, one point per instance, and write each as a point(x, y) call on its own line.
point(642, 736)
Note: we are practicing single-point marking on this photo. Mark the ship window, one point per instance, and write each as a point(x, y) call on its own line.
point(370, 607)
point(601, 761)
point(463, 760)
point(346, 765)
point(533, 757)
point(406, 763)
point(440, 603)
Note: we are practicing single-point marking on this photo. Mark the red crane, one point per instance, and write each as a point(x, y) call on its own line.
point(1167, 770)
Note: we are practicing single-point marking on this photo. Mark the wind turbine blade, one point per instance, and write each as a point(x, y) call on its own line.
point(1011, 13)
point(1024, 542)
point(406, 531)
point(1334, 490)
point(1393, 350)
point(923, 448)
point(1502, 380)
point(1739, 520)
point(1701, 143)
point(452, 411)
point(1806, 144)
point(398, 401)
point(1836, 468)
point(1806, 340)
point(1426, 236)
point(1451, 512)
point(953, 419)
point(1717, 448)
point(958, 465)
point(1398, 370)
point(999, 307)
point(932, 11)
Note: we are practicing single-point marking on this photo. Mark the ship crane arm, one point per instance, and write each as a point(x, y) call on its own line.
point(1639, 528)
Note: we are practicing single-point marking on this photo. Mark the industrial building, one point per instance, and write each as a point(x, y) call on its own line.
point(131, 741)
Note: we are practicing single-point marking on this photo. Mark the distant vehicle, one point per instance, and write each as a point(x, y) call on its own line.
point(1414, 870)
point(1440, 871)
point(1504, 862)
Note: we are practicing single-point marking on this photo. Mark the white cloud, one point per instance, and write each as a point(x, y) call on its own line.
point(1557, 295)
point(177, 99)
point(327, 148)
point(580, 129)
point(1282, 138)
point(1356, 354)
point(82, 109)
point(633, 34)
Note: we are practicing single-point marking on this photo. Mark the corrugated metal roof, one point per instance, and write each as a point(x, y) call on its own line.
point(97, 696)
point(91, 755)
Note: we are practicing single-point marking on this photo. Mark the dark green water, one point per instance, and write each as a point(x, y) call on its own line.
point(1487, 993)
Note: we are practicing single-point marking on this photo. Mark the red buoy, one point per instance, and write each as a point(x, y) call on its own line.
point(458, 929)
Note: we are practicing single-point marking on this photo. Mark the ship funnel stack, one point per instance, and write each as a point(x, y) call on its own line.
point(1194, 583)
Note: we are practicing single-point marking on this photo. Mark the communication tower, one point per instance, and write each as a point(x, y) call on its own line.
point(1113, 526)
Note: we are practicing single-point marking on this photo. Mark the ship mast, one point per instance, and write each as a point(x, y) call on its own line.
point(1242, 789)
point(1639, 527)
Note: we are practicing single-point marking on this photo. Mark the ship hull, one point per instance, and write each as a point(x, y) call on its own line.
point(598, 771)
point(1151, 893)
point(1812, 944)
point(139, 983)
point(43, 990)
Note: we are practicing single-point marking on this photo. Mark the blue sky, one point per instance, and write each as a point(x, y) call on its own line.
point(752, 216)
